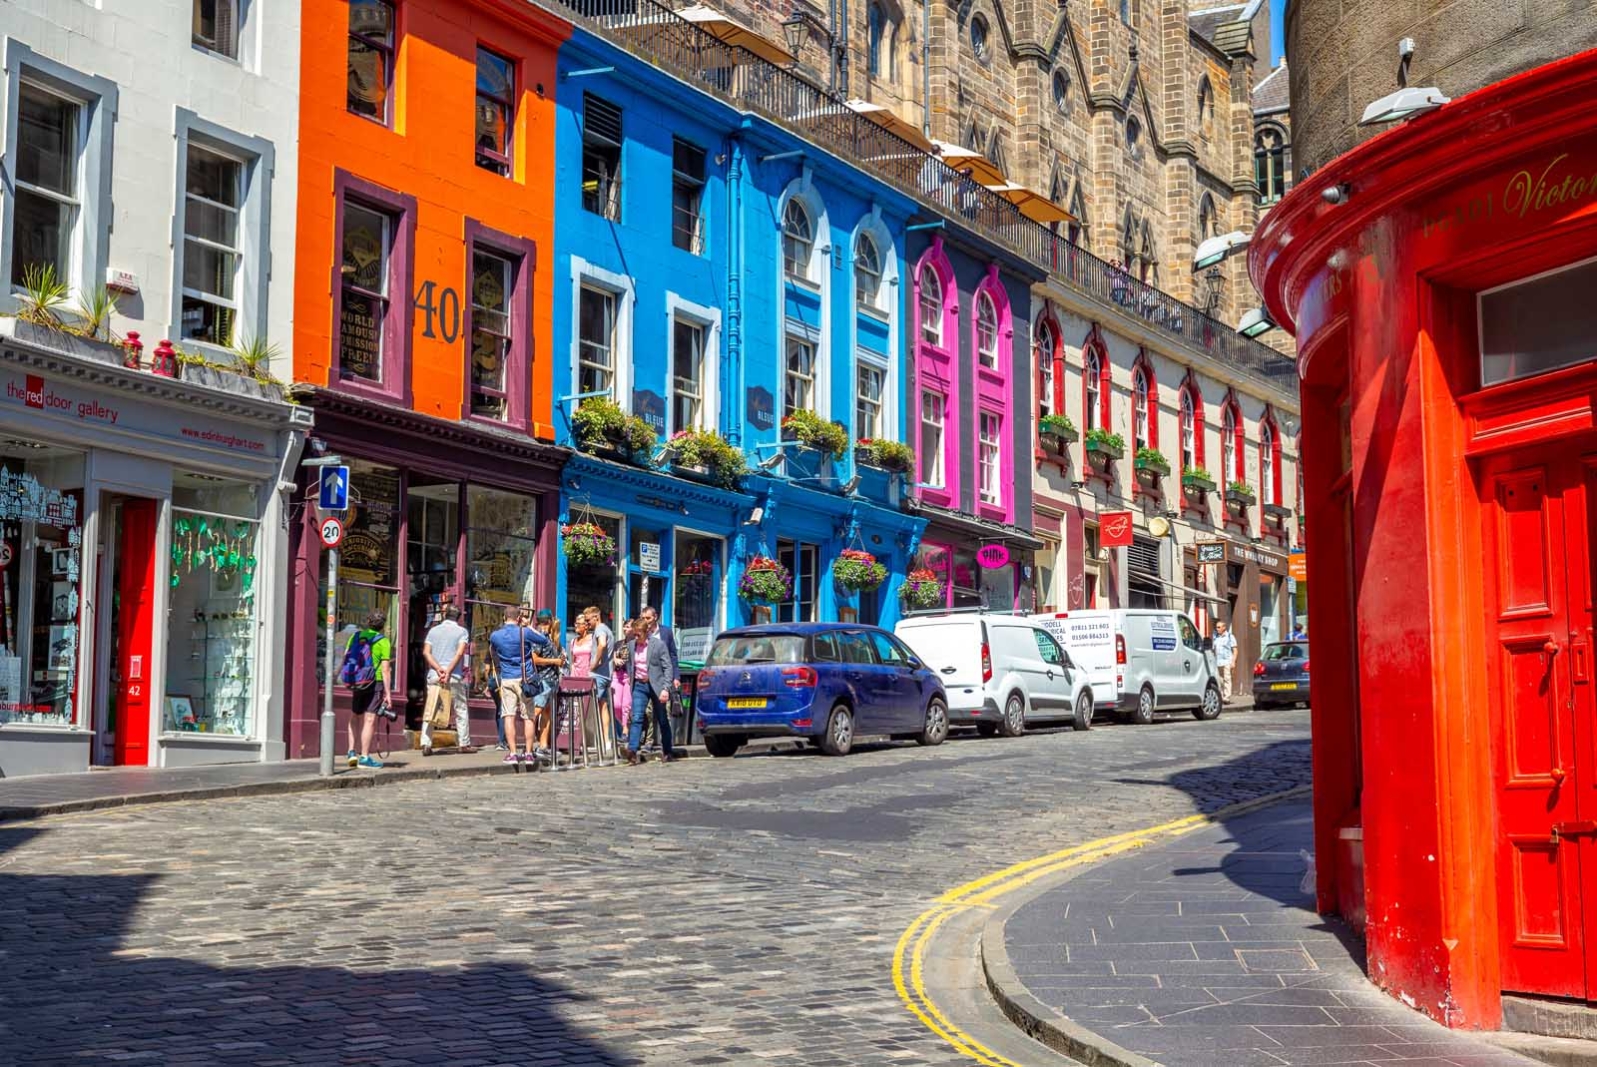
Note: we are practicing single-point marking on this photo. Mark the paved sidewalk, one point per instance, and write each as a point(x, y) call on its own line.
point(1203, 951)
point(55, 794)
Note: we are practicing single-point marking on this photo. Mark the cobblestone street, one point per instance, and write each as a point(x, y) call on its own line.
point(707, 912)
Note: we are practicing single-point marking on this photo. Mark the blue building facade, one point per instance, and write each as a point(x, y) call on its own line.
point(683, 301)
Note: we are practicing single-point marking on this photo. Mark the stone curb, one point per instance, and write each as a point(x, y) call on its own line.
point(1042, 1023)
point(342, 779)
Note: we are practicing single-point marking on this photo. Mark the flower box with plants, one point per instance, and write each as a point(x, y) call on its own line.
point(44, 318)
point(1197, 480)
point(1105, 443)
point(1151, 460)
point(857, 571)
point(922, 589)
point(1240, 493)
point(599, 422)
point(1277, 511)
point(893, 456)
point(586, 544)
point(710, 452)
point(812, 431)
point(1059, 428)
point(765, 581)
point(249, 370)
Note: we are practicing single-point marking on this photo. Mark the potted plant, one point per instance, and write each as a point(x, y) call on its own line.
point(1057, 431)
point(893, 456)
point(42, 318)
point(586, 544)
point(922, 589)
point(599, 422)
point(765, 581)
point(709, 452)
point(1103, 447)
point(1239, 497)
point(820, 442)
point(1278, 512)
point(1151, 460)
point(858, 571)
point(1197, 480)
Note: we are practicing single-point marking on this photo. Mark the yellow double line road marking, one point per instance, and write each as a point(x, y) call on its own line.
point(909, 959)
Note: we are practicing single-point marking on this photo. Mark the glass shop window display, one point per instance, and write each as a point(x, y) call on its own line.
point(211, 619)
point(501, 549)
point(41, 541)
point(368, 577)
point(432, 538)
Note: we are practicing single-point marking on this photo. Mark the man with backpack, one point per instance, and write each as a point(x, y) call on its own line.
point(368, 671)
point(511, 648)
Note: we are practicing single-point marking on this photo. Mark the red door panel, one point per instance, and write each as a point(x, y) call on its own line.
point(136, 637)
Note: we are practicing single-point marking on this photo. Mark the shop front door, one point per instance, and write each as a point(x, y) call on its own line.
point(1537, 509)
point(135, 637)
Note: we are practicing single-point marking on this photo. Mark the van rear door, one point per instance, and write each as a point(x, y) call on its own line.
point(952, 648)
point(1089, 638)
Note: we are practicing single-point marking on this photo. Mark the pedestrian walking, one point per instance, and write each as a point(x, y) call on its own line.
point(368, 671)
point(1225, 657)
point(652, 624)
point(446, 649)
point(654, 679)
point(511, 647)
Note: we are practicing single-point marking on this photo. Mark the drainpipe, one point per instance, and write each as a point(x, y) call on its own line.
point(926, 68)
point(840, 48)
point(732, 368)
point(831, 44)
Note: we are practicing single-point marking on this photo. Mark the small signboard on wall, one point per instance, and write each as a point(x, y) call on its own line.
point(1211, 551)
point(761, 408)
point(649, 557)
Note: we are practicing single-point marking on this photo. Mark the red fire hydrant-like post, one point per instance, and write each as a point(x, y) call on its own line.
point(133, 350)
point(164, 361)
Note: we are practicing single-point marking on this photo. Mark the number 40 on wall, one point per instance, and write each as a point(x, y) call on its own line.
point(444, 313)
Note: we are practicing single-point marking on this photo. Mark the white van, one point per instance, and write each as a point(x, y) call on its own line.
point(1000, 672)
point(1141, 660)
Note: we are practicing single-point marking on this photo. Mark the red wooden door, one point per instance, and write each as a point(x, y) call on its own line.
point(1538, 561)
point(136, 621)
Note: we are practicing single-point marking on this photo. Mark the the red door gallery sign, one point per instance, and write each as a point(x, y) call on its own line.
point(1114, 529)
point(992, 556)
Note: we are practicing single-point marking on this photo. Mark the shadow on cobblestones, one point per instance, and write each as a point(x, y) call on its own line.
point(95, 997)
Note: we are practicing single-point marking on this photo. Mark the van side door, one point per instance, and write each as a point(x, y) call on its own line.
point(1059, 677)
point(1194, 663)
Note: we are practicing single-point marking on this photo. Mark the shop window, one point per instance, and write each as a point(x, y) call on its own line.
point(867, 273)
point(216, 26)
point(803, 562)
point(501, 551)
point(798, 240)
point(213, 195)
point(931, 438)
point(696, 603)
point(931, 306)
point(601, 157)
point(966, 578)
point(687, 196)
point(997, 587)
point(988, 452)
point(596, 341)
point(367, 248)
point(647, 587)
point(1538, 324)
point(798, 378)
point(46, 205)
point(596, 585)
point(687, 375)
point(371, 59)
point(368, 571)
point(493, 280)
point(495, 111)
point(41, 544)
point(986, 331)
point(432, 539)
point(870, 379)
point(212, 626)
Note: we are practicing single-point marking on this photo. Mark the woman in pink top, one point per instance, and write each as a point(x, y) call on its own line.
point(580, 651)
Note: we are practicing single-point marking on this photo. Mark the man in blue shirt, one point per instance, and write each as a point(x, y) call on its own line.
point(512, 646)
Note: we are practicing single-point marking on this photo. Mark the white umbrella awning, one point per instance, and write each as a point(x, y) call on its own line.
point(734, 33)
point(885, 118)
point(1032, 204)
point(971, 162)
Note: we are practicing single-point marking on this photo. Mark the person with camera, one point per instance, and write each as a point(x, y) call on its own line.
point(368, 671)
point(512, 648)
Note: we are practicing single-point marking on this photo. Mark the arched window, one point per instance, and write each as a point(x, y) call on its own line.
point(1147, 258)
point(1045, 344)
point(986, 331)
point(1128, 241)
point(1139, 410)
point(1189, 432)
point(798, 239)
point(867, 272)
point(1269, 462)
point(1061, 92)
point(1077, 229)
point(1091, 391)
point(1125, 11)
point(1133, 136)
point(979, 41)
point(1231, 460)
point(1269, 164)
point(931, 306)
point(1205, 104)
point(876, 25)
point(1206, 218)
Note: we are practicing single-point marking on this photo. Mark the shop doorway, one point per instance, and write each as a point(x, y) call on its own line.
point(127, 688)
point(1537, 508)
point(646, 580)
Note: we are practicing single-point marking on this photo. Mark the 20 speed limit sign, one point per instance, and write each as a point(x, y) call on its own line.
point(332, 532)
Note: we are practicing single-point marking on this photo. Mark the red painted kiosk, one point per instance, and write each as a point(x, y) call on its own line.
point(1446, 317)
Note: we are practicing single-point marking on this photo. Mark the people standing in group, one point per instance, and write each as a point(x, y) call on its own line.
point(513, 647)
point(368, 671)
point(1225, 657)
point(446, 649)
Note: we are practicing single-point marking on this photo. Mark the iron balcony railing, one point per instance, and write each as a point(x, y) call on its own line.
point(653, 31)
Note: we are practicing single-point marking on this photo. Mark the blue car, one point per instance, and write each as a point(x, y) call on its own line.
point(828, 681)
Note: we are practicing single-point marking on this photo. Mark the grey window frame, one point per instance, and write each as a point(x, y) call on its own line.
point(259, 159)
point(97, 97)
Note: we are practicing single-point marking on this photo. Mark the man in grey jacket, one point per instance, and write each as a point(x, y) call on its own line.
point(662, 671)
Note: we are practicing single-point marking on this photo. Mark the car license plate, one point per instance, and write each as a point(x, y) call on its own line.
point(1284, 685)
point(746, 702)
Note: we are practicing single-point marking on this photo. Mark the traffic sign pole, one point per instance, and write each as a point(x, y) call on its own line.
point(330, 666)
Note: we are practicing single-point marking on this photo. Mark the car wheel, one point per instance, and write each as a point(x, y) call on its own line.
point(936, 728)
point(1210, 708)
point(1083, 717)
point(723, 746)
point(1144, 713)
point(987, 729)
point(839, 735)
point(1014, 723)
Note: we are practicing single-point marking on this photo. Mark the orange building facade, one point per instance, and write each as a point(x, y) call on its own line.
point(1444, 317)
point(422, 319)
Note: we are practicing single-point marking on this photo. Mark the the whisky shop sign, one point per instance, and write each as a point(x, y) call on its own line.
point(1241, 554)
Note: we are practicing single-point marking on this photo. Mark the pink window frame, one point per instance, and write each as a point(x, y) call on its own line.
point(1144, 366)
point(399, 322)
point(518, 375)
point(995, 397)
point(937, 370)
point(1270, 494)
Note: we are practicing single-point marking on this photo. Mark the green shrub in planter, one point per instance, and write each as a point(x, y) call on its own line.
point(708, 449)
point(1151, 459)
point(922, 589)
point(887, 455)
point(1197, 477)
point(1058, 425)
point(1240, 489)
point(1106, 441)
point(812, 431)
point(598, 420)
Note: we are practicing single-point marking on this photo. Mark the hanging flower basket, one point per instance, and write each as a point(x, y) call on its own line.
point(857, 571)
point(922, 589)
point(765, 581)
point(586, 544)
